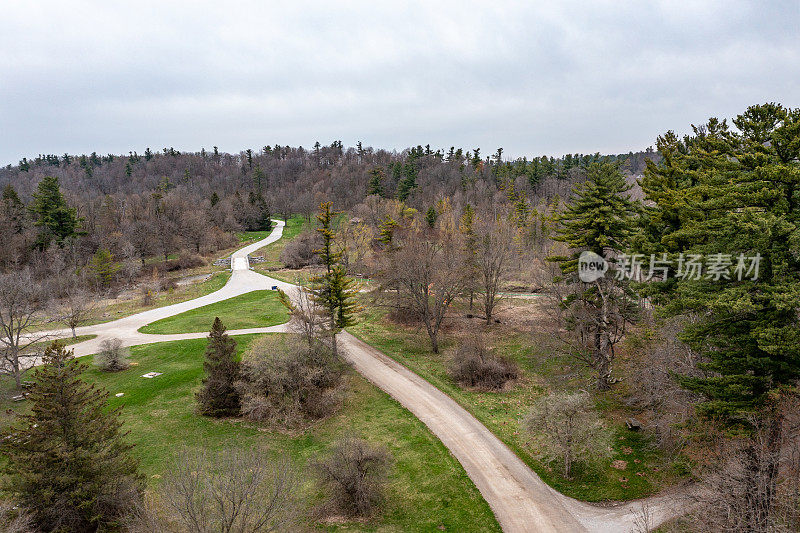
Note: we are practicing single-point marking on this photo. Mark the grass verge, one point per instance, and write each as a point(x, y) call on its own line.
point(252, 310)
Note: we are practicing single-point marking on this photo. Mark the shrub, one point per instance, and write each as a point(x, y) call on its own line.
point(299, 252)
point(113, 356)
point(355, 475)
point(474, 365)
point(184, 261)
point(566, 426)
point(287, 380)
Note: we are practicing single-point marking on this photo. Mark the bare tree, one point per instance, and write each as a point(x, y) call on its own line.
point(569, 427)
point(355, 475)
point(76, 307)
point(22, 301)
point(113, 356)
point(308, 316)
point(494, 241)
point(429, 275)
point(234, 491)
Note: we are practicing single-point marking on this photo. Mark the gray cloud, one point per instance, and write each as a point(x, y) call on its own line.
point(550, 78)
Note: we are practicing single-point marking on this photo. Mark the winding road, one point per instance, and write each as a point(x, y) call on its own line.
point(520, 500)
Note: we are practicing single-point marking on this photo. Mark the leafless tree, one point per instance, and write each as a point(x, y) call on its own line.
point(429, 275)
point(355, 475)
point(308, 318)
point(494, 240)
point(568, 427)
point(22, 301)
point(113, 356)
point(76, 307)
point(234, 491)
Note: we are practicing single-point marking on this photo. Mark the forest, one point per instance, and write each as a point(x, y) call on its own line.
point(626, 324)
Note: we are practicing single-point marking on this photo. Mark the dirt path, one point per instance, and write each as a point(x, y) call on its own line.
point(521, 501)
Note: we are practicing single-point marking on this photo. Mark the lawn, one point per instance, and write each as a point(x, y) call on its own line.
point(271, 254)
point(504, 412)
point(252, 310)
point(428, 489)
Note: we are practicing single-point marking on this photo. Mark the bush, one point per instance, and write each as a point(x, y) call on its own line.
point(355, 476)
point(113, 356)
point(288, 380)
point(184, 261)
point(474, 365)
point(299, 252)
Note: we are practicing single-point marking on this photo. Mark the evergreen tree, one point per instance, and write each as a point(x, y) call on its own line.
point(467, 228)
point(431, 216)
point(598, 219)
point(408, 182)
point(104, 266)
point(66, 462)
point(259, 179)
point(376, 182)
point(13, 208)
point(56, 220)
point(218, 397)
point(333, 290)
point(732, 198)
point(214, 199)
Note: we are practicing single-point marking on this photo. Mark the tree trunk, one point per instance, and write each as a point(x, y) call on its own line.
point(762, 477)
point(17, 374)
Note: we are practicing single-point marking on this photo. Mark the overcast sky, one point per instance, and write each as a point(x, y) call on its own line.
point(532, 77)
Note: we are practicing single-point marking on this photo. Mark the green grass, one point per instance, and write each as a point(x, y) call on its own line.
point(294, 227)
point(428, 489)
point(252, 310)
point(503, 412)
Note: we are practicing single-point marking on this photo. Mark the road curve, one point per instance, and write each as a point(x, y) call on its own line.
point(521, 501)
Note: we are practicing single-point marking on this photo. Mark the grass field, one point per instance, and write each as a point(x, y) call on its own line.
point(428, 489)
point(252, 310)
point(503, 412)
point(294, 227)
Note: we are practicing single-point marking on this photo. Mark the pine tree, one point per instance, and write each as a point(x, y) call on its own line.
point(376, 182)
point(218, 396)
point(731, 197)
point(259, 178)
point(598, 219)
point(431, 216)
point(104, 266)
point(333, 290)
point(408, 182)
point(66, 462)
point(56, 220)
point(467, 229)
point(13, 208)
